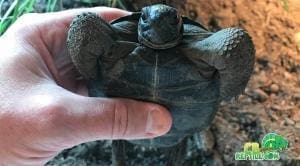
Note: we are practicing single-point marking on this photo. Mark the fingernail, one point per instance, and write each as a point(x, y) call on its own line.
point(156, 123)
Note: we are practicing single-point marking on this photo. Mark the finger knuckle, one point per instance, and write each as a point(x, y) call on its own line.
point(121, 119)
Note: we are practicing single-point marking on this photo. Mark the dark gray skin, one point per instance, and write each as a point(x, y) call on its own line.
point(154, 22)
point(160, 56)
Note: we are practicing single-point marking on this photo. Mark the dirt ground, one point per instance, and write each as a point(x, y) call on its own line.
point(271, 102)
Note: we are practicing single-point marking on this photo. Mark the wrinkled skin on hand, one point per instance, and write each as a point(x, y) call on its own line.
point(43, 104)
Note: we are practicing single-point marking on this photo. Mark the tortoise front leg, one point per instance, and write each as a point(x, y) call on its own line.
point(89, 38)
point(231, 52)
point(118, 153)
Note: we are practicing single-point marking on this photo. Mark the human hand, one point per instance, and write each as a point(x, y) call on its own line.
point(43, 103)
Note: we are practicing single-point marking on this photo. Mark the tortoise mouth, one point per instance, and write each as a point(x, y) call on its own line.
point(154, 45)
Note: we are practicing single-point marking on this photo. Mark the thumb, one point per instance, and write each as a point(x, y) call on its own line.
point(100, 118)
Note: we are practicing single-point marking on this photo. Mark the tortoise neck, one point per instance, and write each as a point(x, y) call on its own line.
point(146, 41)
point(152, 45)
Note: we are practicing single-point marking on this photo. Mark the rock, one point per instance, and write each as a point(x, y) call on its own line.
point(276, 108)
point(244, 99)
point(256, 69)
point(297, 126)
point(273, 96)
point(260, 95)
point(274, 116)
point(288, 75)
point(297, 39)
point(262, 78)
point(289, 121)
point(296, 96)
point(274, 88)
point(282, 123)
point(296, 116)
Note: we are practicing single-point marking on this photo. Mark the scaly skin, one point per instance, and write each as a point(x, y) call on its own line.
point(190, 79)
point(86, 46)
point(231, 52)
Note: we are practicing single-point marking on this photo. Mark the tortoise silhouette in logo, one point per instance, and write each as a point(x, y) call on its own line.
point(273, 141)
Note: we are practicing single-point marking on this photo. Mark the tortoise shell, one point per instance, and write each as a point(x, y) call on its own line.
point(160, 56)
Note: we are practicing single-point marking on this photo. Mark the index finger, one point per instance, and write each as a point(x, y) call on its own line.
point(58, 23)
point(108, 14)
point(61, 20)
point(52, 28)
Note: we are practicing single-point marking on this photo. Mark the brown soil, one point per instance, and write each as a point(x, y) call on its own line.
point(271, 102)
point(272, 25)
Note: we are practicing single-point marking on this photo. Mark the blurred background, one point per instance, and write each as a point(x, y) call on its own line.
point(271, 102)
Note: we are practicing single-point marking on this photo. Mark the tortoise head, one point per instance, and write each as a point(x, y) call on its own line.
point(160, 27)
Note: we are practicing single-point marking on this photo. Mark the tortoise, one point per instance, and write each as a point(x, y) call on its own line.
point(160, 56)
